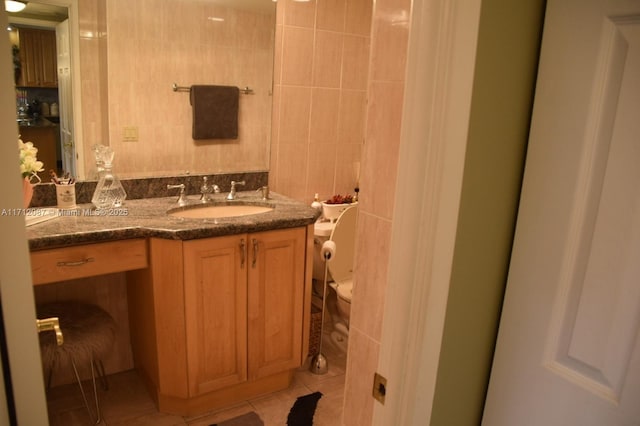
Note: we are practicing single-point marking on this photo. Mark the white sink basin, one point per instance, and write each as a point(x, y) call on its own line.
point(219, 211)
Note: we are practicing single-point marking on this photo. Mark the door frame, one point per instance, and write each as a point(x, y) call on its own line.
point(447, 90)
point(432, 154)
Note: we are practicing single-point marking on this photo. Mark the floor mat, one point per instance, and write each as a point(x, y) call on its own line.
point(248, 419)
point(303, 409)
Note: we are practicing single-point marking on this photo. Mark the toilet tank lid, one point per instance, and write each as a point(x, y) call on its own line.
point(323, 229)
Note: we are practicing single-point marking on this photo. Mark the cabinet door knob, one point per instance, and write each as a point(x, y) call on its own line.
point(255, 253)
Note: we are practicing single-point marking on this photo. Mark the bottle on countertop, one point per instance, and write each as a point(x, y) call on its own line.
point(316, 202)
point(109, 192)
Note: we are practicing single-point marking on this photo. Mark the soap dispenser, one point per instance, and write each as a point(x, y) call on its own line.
point(316, 202)
point(109, 192)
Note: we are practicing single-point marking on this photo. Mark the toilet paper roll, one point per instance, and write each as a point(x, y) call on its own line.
point(328, 250)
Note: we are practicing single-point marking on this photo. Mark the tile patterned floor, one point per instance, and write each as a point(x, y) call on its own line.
point(127, 402)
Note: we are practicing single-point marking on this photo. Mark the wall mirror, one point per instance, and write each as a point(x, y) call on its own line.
point(126, 56)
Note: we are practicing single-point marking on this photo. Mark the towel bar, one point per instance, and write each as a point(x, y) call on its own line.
point(245, 91)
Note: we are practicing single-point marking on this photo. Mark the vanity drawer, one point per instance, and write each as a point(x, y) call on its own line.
point(88, 260)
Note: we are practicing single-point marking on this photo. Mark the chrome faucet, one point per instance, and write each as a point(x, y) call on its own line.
point(206, 190)
point(182, 198)
point(232, 193)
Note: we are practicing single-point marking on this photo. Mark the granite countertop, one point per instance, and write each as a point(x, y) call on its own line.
point(145, 218)
point(39, 122)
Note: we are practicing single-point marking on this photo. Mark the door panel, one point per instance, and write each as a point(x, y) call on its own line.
point(595, 326)
point(568, 350)
point(275, 298)
point(216, 310)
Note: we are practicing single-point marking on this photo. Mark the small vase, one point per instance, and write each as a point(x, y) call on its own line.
point(27, 192)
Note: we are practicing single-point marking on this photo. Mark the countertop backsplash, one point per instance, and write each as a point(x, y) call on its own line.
point(45, 194)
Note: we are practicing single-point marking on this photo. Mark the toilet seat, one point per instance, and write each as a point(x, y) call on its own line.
point(323, 229)
point(341, 265)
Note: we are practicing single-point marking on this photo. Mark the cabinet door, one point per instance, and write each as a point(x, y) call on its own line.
point(215, 285)
point(30, 57)
point(49, 59)
point(275, 299)
point(38, 58)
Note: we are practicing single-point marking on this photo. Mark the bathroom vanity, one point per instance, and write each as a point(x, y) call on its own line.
point(219, 309)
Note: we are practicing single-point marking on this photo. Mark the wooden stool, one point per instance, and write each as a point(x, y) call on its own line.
point(88, 332)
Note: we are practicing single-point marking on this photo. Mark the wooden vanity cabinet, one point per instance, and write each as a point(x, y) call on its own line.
point(227, 317)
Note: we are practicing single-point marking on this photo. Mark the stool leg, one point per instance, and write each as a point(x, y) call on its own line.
point(95, 391)
point(84, 396)
point(50, 376)
point(102, 374)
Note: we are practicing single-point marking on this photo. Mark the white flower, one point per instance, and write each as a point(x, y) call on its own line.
point(29, 164)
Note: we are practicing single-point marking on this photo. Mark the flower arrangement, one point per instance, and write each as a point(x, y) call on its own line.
point(334, 206)
point(29, 164)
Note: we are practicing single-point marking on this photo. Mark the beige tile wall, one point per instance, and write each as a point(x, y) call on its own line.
point(333, 56)
point(152, 45)
point(389, 42)
point(322, 57)
point(93, 66)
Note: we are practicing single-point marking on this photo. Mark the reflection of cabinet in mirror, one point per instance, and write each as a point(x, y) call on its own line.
point(38, 58)
point(46, 139)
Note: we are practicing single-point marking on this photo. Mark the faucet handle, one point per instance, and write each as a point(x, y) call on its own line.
point(232, 193)
point(265, 192)
point(182, 200)
point(234, 183)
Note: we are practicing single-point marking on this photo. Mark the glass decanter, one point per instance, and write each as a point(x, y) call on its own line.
point(109, 192)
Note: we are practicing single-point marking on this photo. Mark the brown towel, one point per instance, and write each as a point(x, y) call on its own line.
point(215, 112)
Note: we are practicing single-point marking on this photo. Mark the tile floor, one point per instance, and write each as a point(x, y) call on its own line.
point(127, 402)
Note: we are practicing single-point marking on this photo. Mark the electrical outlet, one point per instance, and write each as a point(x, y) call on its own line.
point(130, 134)
point(379, 387)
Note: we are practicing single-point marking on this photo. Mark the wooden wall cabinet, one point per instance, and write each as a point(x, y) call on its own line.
point(224, 318)
point(38, 58)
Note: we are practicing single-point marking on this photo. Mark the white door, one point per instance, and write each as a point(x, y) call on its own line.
point(16, 289)
point(568, 350)
point(63, 48)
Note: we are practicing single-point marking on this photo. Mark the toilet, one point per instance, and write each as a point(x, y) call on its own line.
point(339, 270)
